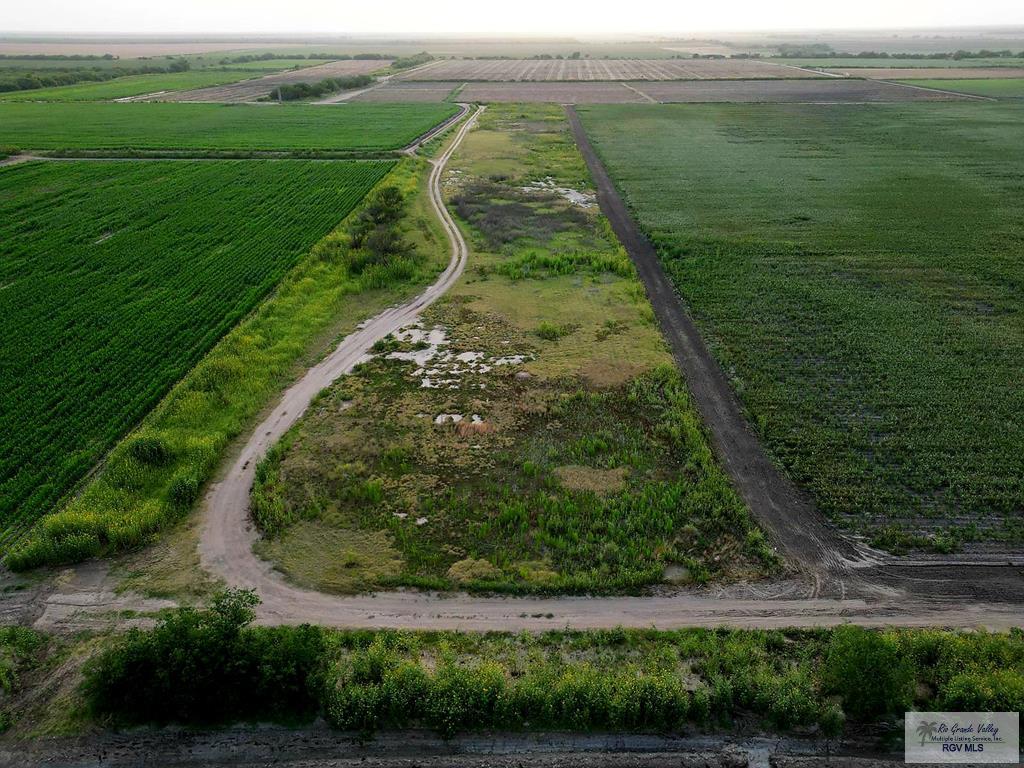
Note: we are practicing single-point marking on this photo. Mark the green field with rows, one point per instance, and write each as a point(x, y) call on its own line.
point(133, 85)
point(116, 277)
point(215, 127)
point(857, 272)
point(999, 88)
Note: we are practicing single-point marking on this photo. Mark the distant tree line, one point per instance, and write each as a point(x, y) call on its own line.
point(29, 80)
point(248, 57)
point(57, 56)
point(297, 91)
point(820, 51)
point(407, 62)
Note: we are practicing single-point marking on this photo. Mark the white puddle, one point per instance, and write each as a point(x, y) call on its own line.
point(438, 368)
point(574, 196)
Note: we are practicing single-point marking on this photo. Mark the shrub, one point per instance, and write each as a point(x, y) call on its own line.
point(996, 690)
point(207, 666)
point(868, 670)
point(152, 451)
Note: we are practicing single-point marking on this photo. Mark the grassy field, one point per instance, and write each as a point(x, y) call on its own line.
point(855, 270)
point(846, 63)
point(215, 127)
point(1002, 88)
point(134, 85)
point(189, 432)
point(532, 436)
point(117, 277)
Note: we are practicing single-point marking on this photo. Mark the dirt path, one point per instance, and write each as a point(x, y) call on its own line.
point(227, 534)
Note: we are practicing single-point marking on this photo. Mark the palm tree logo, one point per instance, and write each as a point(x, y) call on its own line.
point(926, 729)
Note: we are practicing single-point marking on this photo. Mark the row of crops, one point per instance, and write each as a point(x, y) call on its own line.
point(157, 127)
point(858, 272)
point(116, 277)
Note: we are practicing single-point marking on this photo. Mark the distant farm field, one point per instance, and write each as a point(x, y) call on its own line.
point(117, 276)
point(177, 127)
point(858, 62)
point(997, 88)
point(134, 85)
point(602, 69)
point(857, 272)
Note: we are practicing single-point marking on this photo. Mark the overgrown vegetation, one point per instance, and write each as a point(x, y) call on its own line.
point(155, 475)
point(20, 652)
point(531, 436)
point(868, 318)
point(208, 666)
point(297, 91)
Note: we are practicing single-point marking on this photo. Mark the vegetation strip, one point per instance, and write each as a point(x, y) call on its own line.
point(210, 667)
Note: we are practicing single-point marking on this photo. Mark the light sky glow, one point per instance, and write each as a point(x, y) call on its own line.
point(481, 17)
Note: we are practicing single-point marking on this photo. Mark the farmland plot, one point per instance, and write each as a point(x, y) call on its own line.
point(856, 272)
point(117, 276)
point(602, 69)
point(181, 128)
point(251, 90)
point(133, 85)
point(531, 435)
point(996, 88)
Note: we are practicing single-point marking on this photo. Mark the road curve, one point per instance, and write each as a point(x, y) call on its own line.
point(228, 535)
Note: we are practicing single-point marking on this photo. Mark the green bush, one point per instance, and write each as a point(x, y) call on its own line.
point(870, 673)
point(207, 666)
point(994, 690)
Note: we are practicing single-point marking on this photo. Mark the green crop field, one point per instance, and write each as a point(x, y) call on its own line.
point(116, 277)
point(1006, 88)
point(856, 61)
point(215, 127)
point(857, 272)
point(133, 85)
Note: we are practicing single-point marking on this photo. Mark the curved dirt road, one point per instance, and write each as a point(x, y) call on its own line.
point(870, 594)
point(225, 547)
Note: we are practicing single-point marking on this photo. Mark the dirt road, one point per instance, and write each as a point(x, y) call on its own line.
point(228, 535)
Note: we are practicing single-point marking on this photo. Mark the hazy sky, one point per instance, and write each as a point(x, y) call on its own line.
point(518, 17)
